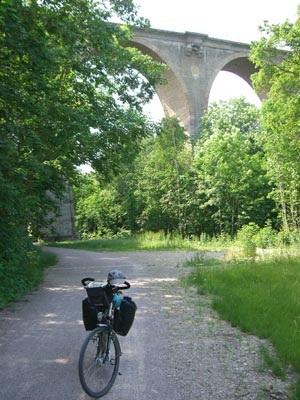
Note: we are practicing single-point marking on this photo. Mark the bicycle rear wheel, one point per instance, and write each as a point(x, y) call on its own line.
point(98, 367)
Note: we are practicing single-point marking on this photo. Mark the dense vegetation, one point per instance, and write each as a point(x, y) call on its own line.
point(24, 276)
point(211, 189)
point(276, 56)
point(149, 241)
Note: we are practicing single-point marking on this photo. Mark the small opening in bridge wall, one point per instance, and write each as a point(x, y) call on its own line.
point(228, 85)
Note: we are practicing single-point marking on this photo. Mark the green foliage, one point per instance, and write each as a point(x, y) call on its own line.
point(267, 237)
point(271, 362)
point(22, 273)
point(250, 237)
point(153, 194)
point(262, 298)
point(287, 238)
point(162, 170)
point(98, 212)
point(149, 241)
point(245, 238)
point(213, 189)
point(276, 55)
point(70, 90)
point(230, 165)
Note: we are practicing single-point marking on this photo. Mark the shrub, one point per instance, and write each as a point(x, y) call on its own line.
point(266, 237)
point(245, 239)
point(22, 273)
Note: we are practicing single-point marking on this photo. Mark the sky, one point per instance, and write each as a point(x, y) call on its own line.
point(234, 20)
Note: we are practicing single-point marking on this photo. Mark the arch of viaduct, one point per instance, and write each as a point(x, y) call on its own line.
point(194, 61)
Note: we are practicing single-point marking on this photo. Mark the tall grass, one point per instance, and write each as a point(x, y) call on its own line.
point(261, 298)
point(147, 241)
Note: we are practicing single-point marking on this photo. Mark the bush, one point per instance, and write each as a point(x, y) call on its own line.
point(266, 237)
point(287, 238)
point(245, 239)
point(22, 273)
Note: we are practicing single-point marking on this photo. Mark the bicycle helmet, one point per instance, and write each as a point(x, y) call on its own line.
point(115, 277)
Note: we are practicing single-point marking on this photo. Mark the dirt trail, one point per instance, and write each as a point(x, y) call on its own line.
point(173, 352)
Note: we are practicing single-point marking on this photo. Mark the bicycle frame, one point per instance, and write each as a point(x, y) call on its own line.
point(109, 327)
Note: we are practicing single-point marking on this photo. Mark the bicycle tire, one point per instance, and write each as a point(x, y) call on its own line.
point(96, 375)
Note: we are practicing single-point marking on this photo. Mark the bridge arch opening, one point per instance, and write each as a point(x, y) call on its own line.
point(228, 85)
point(232, 79)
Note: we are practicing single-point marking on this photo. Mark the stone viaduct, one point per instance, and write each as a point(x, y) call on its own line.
point(194, 61)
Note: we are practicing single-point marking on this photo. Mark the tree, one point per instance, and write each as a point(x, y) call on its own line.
point(230, 165)
point(151, 195)
point(71, 94)
point(276, 55)
point(162, 169)
point(98, 209)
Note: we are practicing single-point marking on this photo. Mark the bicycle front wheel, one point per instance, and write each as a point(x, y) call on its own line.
point(99, 362)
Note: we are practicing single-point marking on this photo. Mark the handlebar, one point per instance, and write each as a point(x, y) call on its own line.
point(115, 288)
point(127, 286)
point(86, 281)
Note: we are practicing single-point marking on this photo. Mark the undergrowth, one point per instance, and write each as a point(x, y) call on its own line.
point(20, 278)
point(148, 241)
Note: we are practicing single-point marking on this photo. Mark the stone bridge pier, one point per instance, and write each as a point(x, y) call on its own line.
point(194, 61)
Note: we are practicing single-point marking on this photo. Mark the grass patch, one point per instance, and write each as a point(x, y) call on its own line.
point(261, 298)
point(17, 280)
point(271, 362)
point(143, 242)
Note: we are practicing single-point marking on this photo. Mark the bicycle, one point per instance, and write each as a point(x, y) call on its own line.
point(100, 353)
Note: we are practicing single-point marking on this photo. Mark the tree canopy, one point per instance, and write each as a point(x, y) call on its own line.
point(212, 189)
point(71, 93)
point(276, 55)
point(231, 167)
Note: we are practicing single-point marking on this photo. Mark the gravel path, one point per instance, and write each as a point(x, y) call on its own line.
point(177, 349)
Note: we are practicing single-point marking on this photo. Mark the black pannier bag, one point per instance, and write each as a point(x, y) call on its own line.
point(123, 318)
point(100, 294)
point(89, 315)
point(99, 298)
